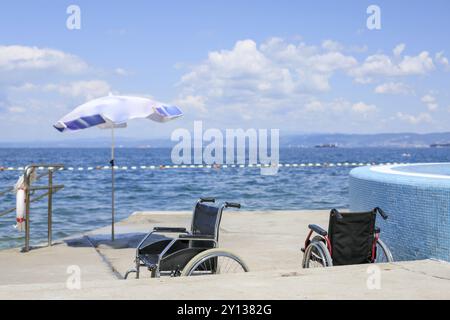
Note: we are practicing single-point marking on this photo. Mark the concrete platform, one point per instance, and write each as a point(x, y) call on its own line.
point(409, 280)
point(269, 242)
point(50, 264)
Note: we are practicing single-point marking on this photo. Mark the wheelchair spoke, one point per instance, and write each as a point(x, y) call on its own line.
point(220, 264)
point(210, 265)
point(316, 255)
point(316, 260)
point(229, 266)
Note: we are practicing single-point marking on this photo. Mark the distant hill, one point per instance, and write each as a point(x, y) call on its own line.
point(120, 142)
point(367, 140)
point(295, 140)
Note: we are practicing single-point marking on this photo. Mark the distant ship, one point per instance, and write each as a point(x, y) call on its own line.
point(326, 145)
point(440, 145)
point(407, 155)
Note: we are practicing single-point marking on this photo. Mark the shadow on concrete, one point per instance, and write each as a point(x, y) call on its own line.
point(122, 241)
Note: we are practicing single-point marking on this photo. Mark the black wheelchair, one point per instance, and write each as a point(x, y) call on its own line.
point(352, 238)
point(191, 252)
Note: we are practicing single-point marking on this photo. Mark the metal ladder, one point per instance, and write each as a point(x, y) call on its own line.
point(50, 189)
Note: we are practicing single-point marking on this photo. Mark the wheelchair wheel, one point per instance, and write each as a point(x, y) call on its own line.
point(383, 254)
point(214, 261)
point(317, 255)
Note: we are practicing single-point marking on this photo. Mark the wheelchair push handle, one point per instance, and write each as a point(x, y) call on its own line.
point(336, 213)
point(381, 212)
point(232, 205)
point(207, 199)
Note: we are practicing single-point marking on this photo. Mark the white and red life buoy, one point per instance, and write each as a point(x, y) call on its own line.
point(20, 209)
point(20, 189)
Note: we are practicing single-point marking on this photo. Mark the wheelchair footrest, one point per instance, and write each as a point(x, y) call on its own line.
point(149, 260)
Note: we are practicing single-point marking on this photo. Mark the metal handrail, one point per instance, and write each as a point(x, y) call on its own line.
point(51, 189)
point(56, 188)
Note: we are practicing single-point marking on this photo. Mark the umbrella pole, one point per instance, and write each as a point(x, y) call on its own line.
point(112, 183)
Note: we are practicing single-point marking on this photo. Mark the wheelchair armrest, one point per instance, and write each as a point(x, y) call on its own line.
point(196, 236)
point(317, 230)
point(169, 229)
point(232, 205)
point(381, 212)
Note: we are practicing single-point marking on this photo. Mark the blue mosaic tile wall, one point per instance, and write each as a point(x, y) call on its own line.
point(418, 226)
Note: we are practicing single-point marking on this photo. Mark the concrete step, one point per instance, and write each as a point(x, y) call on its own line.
point(425, 279)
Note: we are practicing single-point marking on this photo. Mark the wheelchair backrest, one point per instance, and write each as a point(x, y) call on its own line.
point(206, 220)
point(351, 235)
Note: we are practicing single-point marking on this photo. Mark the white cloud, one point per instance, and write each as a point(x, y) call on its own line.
point(420, 64)
point(398, 50)
point(418, 119)
point(338, 115)
point(15, 109)
point(251, 73)
point(332, 61)
point(314, 106)
point(87, 89)
point(385, 66)
point(121, 72)
point(17, 57)
point(358, 48)
point(363, 108)
point(283, 82)
point(442, 60)
point(309, 59)
point(428, 98)
point(339, 107)
point(194, 102)
point(393, 88)
point(331, 45)
point(430, 101)
point(27, 86)
point(268, 73)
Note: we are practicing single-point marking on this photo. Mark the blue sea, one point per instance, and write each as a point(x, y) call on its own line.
point(84, 203)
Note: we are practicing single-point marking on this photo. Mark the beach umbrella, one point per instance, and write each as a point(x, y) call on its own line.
point(113, 112)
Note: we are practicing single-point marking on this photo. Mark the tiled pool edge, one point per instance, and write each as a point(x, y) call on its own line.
point(418, 206)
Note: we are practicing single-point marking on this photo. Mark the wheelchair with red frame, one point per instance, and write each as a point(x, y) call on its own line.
point(352, 238)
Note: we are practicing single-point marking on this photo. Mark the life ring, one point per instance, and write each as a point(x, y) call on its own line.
point(20, 209)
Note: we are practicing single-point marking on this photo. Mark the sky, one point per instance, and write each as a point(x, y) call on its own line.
point(297, 66)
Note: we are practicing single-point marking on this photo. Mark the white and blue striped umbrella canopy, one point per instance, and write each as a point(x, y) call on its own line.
point(114, 112)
